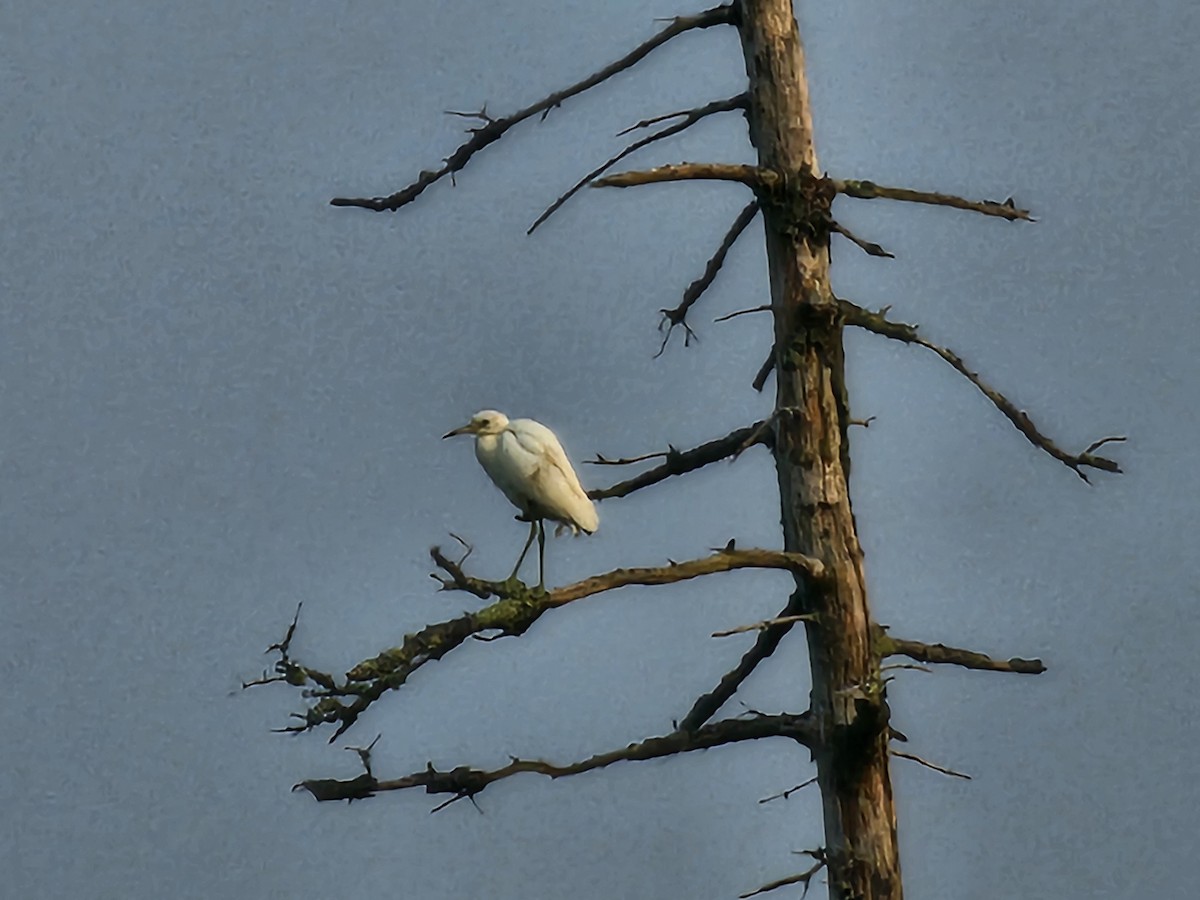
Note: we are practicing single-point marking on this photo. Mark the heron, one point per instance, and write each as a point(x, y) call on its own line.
point(526, 461)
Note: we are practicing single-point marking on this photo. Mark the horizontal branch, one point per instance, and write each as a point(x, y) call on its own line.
point(886, 645)
point(690, 118)
point(751, 176)
point(804, 878)
point(927, 764)
point(680, 462)
point(517, 607)
point(493, 129)
point(898, 331)
point(868, 190)
point(678, 314)
point(465, 782)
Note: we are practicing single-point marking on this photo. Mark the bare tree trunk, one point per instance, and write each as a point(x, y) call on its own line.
point(812, 460)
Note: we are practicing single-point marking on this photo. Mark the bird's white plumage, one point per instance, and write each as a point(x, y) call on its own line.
point(526, 461)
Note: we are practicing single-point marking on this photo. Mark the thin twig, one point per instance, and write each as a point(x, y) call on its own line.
point(602, 460)
point(678, 315)
point(868, 190)
point(765, 624)
point(898, 331)
point(788, 793)
point(927, 764)
point(494, 129)
point(691, 117)
point(868, 247)
point(743, 312)
point(804, 878)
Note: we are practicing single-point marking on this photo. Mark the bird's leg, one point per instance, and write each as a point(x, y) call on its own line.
point(541, 535)
point(528, 543)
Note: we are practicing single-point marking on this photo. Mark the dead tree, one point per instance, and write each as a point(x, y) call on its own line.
point(846, 726)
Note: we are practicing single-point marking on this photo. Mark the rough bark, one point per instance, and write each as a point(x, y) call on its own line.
point(812, 459)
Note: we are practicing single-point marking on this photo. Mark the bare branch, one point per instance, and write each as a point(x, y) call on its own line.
point(868, 190)
point(765, 624)
point(788, 793)
point(465, 782)
point(871, 249)
point(707, 705)
point(602, 460)
point(804, 878)
point(927, 764)
point(886, 645)
point(691, 117)
point(678, 315)
point(898, 331)
point(751, 176)
point(743, 312)
point(764, 371)
point(494, 129)
point(679, 462)
point(341, 702)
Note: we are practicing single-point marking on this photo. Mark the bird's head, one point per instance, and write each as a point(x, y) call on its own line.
point(486, 421)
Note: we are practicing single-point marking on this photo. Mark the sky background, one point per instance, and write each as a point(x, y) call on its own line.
point(219, 397)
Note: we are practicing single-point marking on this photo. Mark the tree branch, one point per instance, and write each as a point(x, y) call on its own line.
point(804, 878)
point(465, 782)
point(898, 331)
point(927, 764)
point(707, 705)
point(751, 176)
point(868, 247)
point(679, 462)
point(868, 190)
point(493, 129)
point(690, 118)
point(516, 608)
point(886, 645)
point(678, 315)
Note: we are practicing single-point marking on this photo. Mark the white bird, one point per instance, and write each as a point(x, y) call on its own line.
point(525, 460)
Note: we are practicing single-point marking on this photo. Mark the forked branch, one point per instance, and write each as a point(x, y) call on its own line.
point(689, 118)
point(898, 331)
point(464, 782)
point(515, 609)
point(751, 176)
point(678, 315)
point(493, 129)
point(679, 462)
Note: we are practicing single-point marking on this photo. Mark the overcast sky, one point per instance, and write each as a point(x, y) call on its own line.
point(220, 396)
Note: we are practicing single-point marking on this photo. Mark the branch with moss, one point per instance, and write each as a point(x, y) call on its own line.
point(680, 462)
point(492, 129)
point(689, 117)
point(464, 782)
point(515, 609)
point(886, 645)
point(898, 331)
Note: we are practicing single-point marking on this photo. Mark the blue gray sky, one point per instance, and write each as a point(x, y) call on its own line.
point(220, 397)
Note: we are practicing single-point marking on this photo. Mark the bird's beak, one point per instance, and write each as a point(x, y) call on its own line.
point(465, 429)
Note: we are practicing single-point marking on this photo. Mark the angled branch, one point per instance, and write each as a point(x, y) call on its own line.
point(465, 782)
point(804, 878)
point(898, 331)
point(493, 129)
point(679, 462)
point(517, 607)
point(707, 705)
point(868, 247)
point(678, 315)
point(751, 176)
point(690, 118)
point(927, 764)
point(764, 371)
point(868, 190)
point(886, 645)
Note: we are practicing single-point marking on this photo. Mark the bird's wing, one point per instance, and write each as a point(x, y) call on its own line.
point(561, 494)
